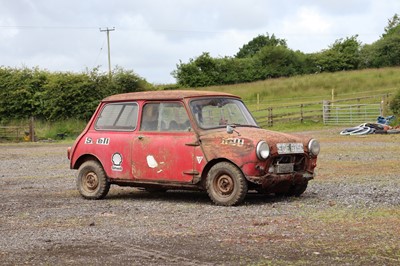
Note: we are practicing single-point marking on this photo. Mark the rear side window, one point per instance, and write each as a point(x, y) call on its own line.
point(118, 116)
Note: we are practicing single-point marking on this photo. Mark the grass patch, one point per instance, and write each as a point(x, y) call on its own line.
point(71, 128)
point(300, 89)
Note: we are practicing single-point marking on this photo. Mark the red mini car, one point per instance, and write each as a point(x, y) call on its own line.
point(199, 140)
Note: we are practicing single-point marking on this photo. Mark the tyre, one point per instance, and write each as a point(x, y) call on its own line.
point(348, 131)
point(297, 190)
point(226, 184)
point(362, 131)
point(92, 181)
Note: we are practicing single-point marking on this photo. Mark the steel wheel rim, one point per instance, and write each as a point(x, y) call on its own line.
point(90, 181)
point(224, 185)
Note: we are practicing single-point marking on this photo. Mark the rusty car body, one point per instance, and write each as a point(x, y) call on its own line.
point(201, 140)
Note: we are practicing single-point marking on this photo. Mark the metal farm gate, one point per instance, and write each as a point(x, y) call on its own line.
point(350, 114)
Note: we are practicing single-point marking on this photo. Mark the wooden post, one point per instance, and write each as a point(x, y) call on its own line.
point(270, 119)
point(32, 129)
point(301, 113)
point(326, 109)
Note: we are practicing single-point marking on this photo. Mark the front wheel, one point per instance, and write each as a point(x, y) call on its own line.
point(92, 181)
point(297, 190)
point(226, 184)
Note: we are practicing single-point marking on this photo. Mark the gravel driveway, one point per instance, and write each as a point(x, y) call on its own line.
point(348, 215)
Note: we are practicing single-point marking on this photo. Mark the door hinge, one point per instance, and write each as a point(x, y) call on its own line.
point(194, 144)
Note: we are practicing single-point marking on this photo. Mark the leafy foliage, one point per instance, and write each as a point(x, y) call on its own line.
point(386, 51)
point(56, 96)
point(342, 55)
point(395, 104)
point(266, 56)
point(258, 43)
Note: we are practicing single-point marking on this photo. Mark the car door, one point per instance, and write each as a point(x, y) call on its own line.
point(111, 137)
point(165, 147)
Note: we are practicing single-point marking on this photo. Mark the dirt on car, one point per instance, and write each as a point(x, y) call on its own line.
point(349, 214)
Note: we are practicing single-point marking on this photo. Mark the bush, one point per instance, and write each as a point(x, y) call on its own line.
point(395, 104)
point(54, 96)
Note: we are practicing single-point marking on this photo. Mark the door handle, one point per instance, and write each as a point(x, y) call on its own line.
point(140, 137)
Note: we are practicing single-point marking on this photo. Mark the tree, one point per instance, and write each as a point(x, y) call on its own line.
point(127, 81)
point(255, 45)
point(385, 52)
point(343, 54)
point(199, 72)
point(393, 26)
point(278, 61)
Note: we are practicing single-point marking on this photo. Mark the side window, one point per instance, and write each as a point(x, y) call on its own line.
point(150, 114)
point(118, 116)
point(165, 117)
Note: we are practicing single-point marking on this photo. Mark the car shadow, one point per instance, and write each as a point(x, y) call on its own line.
point(193, 197)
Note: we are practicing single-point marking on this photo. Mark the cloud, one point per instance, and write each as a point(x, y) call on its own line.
point(308, 28)
point(151, 36)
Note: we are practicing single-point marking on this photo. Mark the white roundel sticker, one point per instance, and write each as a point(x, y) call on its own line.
point(117, 162)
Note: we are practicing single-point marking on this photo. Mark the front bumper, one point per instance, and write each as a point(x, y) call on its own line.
point(281, 183)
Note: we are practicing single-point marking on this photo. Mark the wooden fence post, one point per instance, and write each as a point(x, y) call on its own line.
point(301, 113)
point(270, 119)
point(32, 129)
point(326, 109)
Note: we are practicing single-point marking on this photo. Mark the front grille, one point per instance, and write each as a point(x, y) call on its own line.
point(284, 163)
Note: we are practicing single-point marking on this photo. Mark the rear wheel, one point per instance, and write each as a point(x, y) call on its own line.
point(92, 181)
point(226, 184)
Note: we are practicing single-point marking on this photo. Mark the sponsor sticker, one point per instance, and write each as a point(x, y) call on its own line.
point(117, 162)
point(199, 159)
point(103, 141)
point(233, 141)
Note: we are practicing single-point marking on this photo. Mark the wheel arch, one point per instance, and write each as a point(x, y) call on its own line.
point(84, 158)
point(213, 162)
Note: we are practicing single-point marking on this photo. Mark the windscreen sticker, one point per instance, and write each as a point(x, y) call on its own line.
point(103, 141)
point(117, 161)
point(233, 142)
point(88, 140)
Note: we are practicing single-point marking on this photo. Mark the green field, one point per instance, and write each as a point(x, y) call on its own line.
point(317, 87)
point(285, 95)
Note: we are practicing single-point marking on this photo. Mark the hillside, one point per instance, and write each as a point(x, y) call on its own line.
point(310, 88)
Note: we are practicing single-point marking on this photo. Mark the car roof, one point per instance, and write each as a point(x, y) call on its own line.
point(165, 95)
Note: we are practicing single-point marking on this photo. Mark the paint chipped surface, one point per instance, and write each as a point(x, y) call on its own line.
point(151, 162)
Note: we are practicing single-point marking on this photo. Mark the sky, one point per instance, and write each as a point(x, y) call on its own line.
point(151, 37)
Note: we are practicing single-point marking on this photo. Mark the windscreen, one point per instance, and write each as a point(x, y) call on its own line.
point(219, 112)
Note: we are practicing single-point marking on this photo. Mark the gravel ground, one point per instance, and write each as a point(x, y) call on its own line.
point(44, 221)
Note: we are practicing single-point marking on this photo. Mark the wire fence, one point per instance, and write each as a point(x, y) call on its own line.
point(340, 112)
